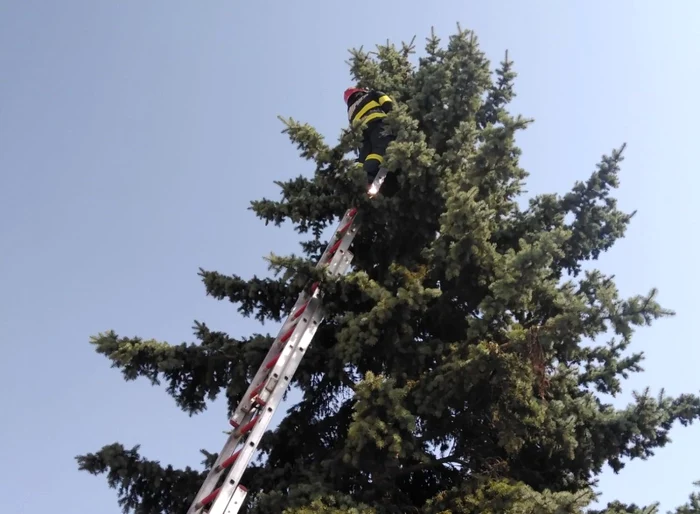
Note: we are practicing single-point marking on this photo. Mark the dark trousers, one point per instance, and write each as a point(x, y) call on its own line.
point(373, 148)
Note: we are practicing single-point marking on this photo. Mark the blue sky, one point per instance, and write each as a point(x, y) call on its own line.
point(134, 134)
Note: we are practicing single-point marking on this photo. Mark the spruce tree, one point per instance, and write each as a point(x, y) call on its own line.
point(460, 367)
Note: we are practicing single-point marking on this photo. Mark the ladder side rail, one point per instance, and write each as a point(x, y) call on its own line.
point(233, 440)
point(238, 497)
point(273, 352)
point(300, 341)
point(344, 234)
point(339, 232)
point(237, 419)
point(339, 263)
point(242, 427)
point(222, 504)
point(340, 242)
point(243, 417)
point(337, 257)
point(236, 472)
point(304, 298)
point(212, 477)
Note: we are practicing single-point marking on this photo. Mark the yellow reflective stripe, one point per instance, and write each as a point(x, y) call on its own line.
point(375, 157)
point(369, 118)
point(366, 108)
point(384, 99)
point(374, 116)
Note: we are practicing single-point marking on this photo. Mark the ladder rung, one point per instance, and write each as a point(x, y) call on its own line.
point(273, 361)
point(248, 426)
point(301, 310)
point(344, 228)
point(209, 498)
point(340, 234)
point(334, 248)
point(225, 464)
point(341, 260)
point(289, 349)
point(237, 499)
point(288, 334)
point(257, 389)
point(214, 474)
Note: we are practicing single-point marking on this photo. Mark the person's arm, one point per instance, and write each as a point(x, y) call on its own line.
point(384, 101)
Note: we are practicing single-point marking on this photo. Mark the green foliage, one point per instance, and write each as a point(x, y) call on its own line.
point(693, 504)
point(144, 486)
point(195, 373)
point(459, 368)
point(329, 506)
point(506, 497)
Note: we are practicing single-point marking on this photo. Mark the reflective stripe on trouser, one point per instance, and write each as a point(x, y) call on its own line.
point(371, 165)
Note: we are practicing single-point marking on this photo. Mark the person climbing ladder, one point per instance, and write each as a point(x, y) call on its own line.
point(370, 106)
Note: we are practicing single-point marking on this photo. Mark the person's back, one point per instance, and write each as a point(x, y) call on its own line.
point(371, 107)
point(366, 105)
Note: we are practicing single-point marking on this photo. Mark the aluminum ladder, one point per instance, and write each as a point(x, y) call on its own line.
point(257, 407)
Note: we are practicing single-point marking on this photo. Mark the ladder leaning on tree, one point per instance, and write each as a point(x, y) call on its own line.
point(222, 492)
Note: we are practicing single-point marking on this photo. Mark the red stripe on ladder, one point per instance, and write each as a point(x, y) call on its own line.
point(257, 390)
point(209, 498)
point(301, 310)
point(229, 461)
point(249, 426)
point(344, 228)
point(273, 361)
point(289, 333)
point(334, 248)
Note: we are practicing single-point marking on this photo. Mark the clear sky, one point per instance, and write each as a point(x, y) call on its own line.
point(134, 134)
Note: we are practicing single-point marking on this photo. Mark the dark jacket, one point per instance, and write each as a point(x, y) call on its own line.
point(369, 106)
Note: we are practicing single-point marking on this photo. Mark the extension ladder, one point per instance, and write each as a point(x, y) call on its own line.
point(258, 405)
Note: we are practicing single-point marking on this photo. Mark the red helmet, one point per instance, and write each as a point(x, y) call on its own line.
point(351, 91)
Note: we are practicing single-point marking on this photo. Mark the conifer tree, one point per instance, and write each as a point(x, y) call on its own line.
point(460, 367)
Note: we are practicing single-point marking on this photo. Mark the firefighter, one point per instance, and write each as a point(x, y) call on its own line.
point(370, 106)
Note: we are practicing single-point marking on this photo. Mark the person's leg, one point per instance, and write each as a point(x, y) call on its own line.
point(365, 149)
point(378, 144)
point(371, 167)
point(365, 152)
